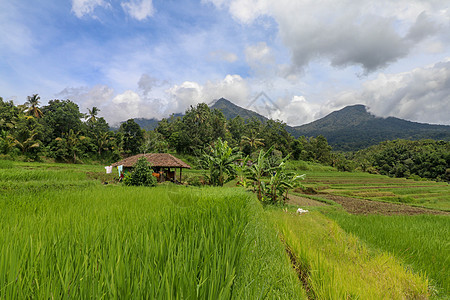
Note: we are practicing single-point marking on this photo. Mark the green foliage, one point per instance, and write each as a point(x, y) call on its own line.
point(271, 182)
point(403, 158)
point(60, 116)
point(141, 174)
point(132, 135)
point(33, 106)
point(219, 161)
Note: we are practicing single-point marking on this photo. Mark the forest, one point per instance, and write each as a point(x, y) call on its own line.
point(59, 131)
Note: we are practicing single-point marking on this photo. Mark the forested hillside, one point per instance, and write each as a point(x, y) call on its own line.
point(353, 128)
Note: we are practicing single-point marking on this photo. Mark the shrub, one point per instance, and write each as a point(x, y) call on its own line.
point(141, 175)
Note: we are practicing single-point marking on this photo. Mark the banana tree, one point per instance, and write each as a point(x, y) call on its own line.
point(219, 161)
point(258, 170)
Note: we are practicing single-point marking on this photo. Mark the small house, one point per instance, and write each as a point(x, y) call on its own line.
point(164, 165)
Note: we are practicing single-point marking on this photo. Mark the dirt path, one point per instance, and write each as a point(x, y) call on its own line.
point(359, 206)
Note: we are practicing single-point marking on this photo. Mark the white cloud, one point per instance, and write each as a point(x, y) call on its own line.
point(140, 10)
point(421, 95)
point(86, 7)
point(369, 34)
point(297, 110)
point(248, 10)
point(232, 87)
point(259, 55)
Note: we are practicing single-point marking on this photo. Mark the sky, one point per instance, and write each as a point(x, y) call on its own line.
point(295, 61)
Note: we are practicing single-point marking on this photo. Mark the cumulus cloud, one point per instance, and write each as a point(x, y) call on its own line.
point(140, 10)
point(232, 87)
point(364, 33)
point(260, 58)
point(297, 110)
point(421, 95)
point(86, 7)
point(144, 102)
point(147, 83)
point(88, 97)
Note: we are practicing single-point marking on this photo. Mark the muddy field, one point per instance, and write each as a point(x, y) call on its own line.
point(365, 207)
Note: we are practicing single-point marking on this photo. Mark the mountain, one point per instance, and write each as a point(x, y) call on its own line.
point(147, 124)
point(353, 128)
point(231, 110)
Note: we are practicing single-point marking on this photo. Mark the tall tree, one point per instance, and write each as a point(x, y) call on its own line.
point(33, 106)
point(92, 114)
point(252, 140)
point(59, 117)
point(133, 136)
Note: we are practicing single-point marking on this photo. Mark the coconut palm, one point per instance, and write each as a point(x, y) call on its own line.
point(93, 114)
point(33, 106)
point(252, 140)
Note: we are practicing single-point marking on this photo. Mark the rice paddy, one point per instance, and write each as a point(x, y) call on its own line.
point(429, 194)
point(422, 242)
point(64, 234)
point(111, 241)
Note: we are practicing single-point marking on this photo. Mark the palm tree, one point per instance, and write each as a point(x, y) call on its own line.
point(27, 144)
point(93, 114)
point(33, 106)
point(252, 140)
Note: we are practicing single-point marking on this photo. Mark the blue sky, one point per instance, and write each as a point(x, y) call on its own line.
point(144, 58)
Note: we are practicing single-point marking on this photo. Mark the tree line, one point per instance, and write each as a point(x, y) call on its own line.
point(427, 159)
point(61, 132)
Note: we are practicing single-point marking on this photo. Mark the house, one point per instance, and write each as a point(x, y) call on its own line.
point(164, 165)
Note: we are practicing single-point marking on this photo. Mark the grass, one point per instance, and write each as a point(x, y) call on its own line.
point(64, 234)
point(422, 242)
point(111, 241)
point(337, 265)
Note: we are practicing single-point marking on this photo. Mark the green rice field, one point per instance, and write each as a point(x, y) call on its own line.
point(72, 231)
point(83, 240)
point(429, 194)
point(422, 242)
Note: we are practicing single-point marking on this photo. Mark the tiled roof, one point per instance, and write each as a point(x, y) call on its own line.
point(155, 159)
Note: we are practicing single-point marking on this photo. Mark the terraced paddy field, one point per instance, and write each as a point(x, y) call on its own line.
point(428, 194)
point(64, 233)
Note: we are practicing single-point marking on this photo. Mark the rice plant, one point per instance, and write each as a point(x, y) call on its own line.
point(137, 242)
point(422, 242)
point(337, 265)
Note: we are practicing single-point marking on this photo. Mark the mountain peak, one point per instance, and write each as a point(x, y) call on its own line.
point(231, 110)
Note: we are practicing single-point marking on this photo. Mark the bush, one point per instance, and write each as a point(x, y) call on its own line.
point(141, 175)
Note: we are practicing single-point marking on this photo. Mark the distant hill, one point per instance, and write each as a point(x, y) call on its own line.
point(353, 128)
point(231, 110)
point(147, 124)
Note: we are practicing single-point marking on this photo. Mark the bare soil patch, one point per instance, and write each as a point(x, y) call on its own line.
point(302, 201)
point(365, 207)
